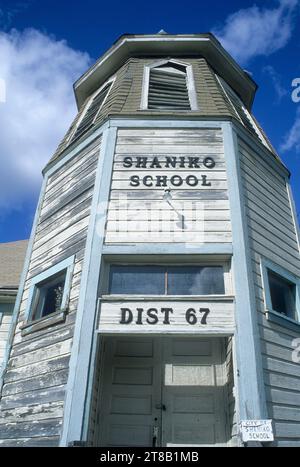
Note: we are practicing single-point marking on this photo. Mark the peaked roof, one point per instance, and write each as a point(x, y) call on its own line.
point(131, 45)
point(12, 256)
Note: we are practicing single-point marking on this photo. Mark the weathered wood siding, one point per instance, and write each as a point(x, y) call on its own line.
point(195, 214)
point(5, 321)
point(31, 406)
point(272, 235)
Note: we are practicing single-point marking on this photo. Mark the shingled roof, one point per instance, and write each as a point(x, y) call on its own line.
point(12, 256)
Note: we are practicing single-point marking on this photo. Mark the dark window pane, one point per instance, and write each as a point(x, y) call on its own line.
point(137, 280)
point(194, 280)
point(6, 308)
point(48, 297)
point(282, 295)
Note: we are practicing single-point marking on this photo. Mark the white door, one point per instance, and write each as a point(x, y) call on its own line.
point(162, 392)
point(193, 393)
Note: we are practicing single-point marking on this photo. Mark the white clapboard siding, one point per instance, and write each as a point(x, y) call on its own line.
point(207, 205)
point(272, 235)
point(125, 184)
point(119, 175)
point(220, 317)
point(196, 214)
point(34, 386)
point(166, 214)
point(5, 321)
point(168, 237)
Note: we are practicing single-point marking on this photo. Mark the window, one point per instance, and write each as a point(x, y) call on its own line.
point(169, 85)
point(281, 293)
point(166, 280)
point(48, 295)
point(90, 114)
point(242, 113)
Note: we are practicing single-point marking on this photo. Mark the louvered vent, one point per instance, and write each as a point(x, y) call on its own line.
point(168, 88)
point(91, 112)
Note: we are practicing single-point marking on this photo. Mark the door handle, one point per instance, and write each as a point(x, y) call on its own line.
point(161, 407)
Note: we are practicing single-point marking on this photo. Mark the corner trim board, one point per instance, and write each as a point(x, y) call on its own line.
point(252, 402)
point(84, 334)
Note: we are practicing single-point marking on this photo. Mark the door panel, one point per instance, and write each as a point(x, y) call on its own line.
point(131, 390)
point(194, 401)
point(174, 384)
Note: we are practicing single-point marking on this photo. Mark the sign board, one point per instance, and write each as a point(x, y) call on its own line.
point(169, 186)
point(165, 316)
point(256, 430)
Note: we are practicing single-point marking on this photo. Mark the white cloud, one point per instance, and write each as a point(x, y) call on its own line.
point(276, 80)
point(255, 31)
point(38, 72)
point(292, 139)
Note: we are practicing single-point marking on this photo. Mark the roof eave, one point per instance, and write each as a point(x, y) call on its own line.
point(167, 45)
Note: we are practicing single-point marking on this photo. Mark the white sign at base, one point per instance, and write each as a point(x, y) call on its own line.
point(256, 430)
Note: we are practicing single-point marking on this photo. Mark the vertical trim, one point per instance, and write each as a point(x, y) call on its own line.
point(15, 315)
point(84, 333)
point(294, 212)
point(251, 390)
point(145, 88)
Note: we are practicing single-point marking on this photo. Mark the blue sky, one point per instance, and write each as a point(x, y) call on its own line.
point(46, 45)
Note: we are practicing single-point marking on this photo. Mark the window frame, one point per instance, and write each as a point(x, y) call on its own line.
point(257, 130)
point(87, 105)
point(273, 315)
point(225, 263)
point(190, 82)
point(48, 275)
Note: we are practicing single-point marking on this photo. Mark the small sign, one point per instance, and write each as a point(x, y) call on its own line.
point(256, 430)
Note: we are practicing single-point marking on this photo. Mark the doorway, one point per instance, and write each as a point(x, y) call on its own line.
point(162, 391)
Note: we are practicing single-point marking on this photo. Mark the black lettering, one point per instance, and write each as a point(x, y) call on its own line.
point(182, 162)
point(152, 314)
point(127, 162)
point(194, 162)
point(145, 180)
point(167, 312)
point(204, 181)
point(155, 164)
point(126, 316)
point(209, 163)
point(161, 180)
point(192, 180)
point(134, 180)
point(139, 316)
point(176, 180)
point(205, 312)
point(141, 162)
point(171, 161)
